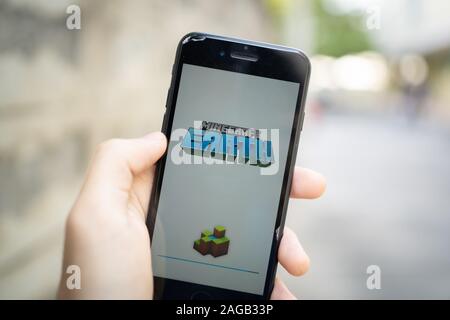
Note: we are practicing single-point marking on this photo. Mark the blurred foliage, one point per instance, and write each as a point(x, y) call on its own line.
point(337, 34)
point(278, 10)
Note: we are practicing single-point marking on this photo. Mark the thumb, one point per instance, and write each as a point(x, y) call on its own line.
point(118, 160)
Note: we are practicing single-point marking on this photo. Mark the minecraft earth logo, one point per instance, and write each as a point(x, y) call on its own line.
point(213, 243)
point(229, 143)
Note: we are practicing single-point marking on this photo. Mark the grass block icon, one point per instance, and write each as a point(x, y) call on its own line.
point(219, 232)
point(214, 243)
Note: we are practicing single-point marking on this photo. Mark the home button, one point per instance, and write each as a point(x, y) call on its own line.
point(201, 295)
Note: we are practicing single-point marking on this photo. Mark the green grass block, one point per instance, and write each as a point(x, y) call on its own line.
point(220, 228)
point(221, 240)
point(206, 233)
point(219, 231)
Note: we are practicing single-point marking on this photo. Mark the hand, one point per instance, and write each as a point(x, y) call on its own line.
point(106, 234)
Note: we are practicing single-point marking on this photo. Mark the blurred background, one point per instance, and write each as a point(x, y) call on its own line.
point(377, 126)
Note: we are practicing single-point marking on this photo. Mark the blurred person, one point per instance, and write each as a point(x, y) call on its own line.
point(414, 100)
point(413, 70)
point(106, 233)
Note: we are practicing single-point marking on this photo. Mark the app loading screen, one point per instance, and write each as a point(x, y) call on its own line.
point(222, 180)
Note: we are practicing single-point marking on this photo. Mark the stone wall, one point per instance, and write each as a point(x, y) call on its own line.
point(63, 91)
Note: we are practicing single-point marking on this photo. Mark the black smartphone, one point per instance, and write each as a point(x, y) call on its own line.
point(233, 118)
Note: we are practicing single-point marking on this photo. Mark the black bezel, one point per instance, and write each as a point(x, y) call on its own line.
point(275, 62)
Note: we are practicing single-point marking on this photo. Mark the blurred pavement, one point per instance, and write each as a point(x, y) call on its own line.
point(387, 203)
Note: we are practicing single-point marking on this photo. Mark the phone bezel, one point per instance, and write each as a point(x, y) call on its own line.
point(275, 62)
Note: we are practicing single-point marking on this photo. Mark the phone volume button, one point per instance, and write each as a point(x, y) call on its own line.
point(277, 234)
point(164, 122)
point(301, 120)
point(169, 91)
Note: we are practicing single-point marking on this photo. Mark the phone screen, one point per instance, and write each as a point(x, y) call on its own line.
point(222, 182)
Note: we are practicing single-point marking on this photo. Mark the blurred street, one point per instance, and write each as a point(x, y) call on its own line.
point(387, 204)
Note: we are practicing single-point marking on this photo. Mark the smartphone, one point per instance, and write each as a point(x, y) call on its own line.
point(233, 118)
